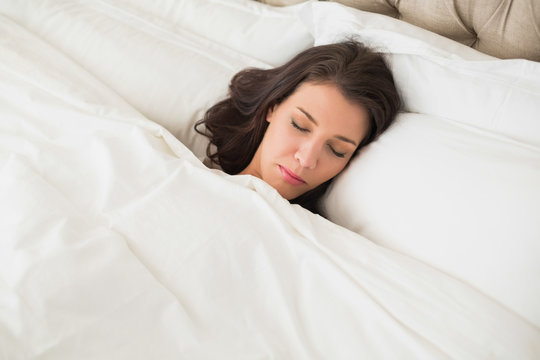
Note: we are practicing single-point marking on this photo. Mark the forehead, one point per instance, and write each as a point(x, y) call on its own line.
point(330, 109)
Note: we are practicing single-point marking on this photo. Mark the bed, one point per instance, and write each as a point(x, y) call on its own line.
point(118, 243)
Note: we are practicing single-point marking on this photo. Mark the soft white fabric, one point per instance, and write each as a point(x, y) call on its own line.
point(498, 96)
point(118, 243)
point(457, 183)
point(270, 34)
point(151, 55)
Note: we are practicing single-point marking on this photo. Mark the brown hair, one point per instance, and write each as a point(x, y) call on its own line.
point(237, 124)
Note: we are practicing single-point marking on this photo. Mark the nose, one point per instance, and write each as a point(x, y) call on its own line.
point(307, 154)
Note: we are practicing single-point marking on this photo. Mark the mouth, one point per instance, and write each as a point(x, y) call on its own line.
point(290, 177)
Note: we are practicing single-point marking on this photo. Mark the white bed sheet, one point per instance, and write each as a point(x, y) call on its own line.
point(118, 243)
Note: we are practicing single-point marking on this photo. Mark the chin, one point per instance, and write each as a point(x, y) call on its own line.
point(286, 195)
point(290, 195)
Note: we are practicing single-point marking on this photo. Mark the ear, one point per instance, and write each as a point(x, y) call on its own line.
point(271, 112)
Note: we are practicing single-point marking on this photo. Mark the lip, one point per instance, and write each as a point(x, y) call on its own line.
point(290, 177)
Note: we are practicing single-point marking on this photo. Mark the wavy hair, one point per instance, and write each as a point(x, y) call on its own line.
point(237, 124)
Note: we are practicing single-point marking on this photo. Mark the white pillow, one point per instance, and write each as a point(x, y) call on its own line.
point(462, 200)
point(270, 34)
point(501, 96)
point(457, 184)
point(168, 73)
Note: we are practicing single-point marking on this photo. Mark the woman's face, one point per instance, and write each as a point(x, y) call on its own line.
point(310, 138)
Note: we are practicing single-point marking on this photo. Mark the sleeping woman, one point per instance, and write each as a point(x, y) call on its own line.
point(297, 126)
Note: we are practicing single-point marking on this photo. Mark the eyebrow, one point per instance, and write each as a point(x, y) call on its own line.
point(342, 138)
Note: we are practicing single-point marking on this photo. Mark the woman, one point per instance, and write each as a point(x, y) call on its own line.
point(298, 125)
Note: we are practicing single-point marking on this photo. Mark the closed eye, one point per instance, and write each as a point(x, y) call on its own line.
point(336, 153)
point(297, 127)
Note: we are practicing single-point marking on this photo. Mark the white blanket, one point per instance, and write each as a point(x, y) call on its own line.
point(117, 243)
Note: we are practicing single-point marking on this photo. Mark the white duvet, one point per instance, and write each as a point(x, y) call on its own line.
point(117, 243)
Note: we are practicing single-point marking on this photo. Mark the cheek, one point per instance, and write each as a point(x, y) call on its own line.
point(271, 149)
point(337, 170)
point(331, 170)
point(280, 141)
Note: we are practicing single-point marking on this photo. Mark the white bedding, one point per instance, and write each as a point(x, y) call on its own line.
point(117, 243)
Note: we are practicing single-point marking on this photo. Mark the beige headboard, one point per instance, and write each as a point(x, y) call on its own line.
point(501, 28)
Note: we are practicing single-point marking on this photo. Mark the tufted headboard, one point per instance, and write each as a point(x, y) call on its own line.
point(501, 28)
